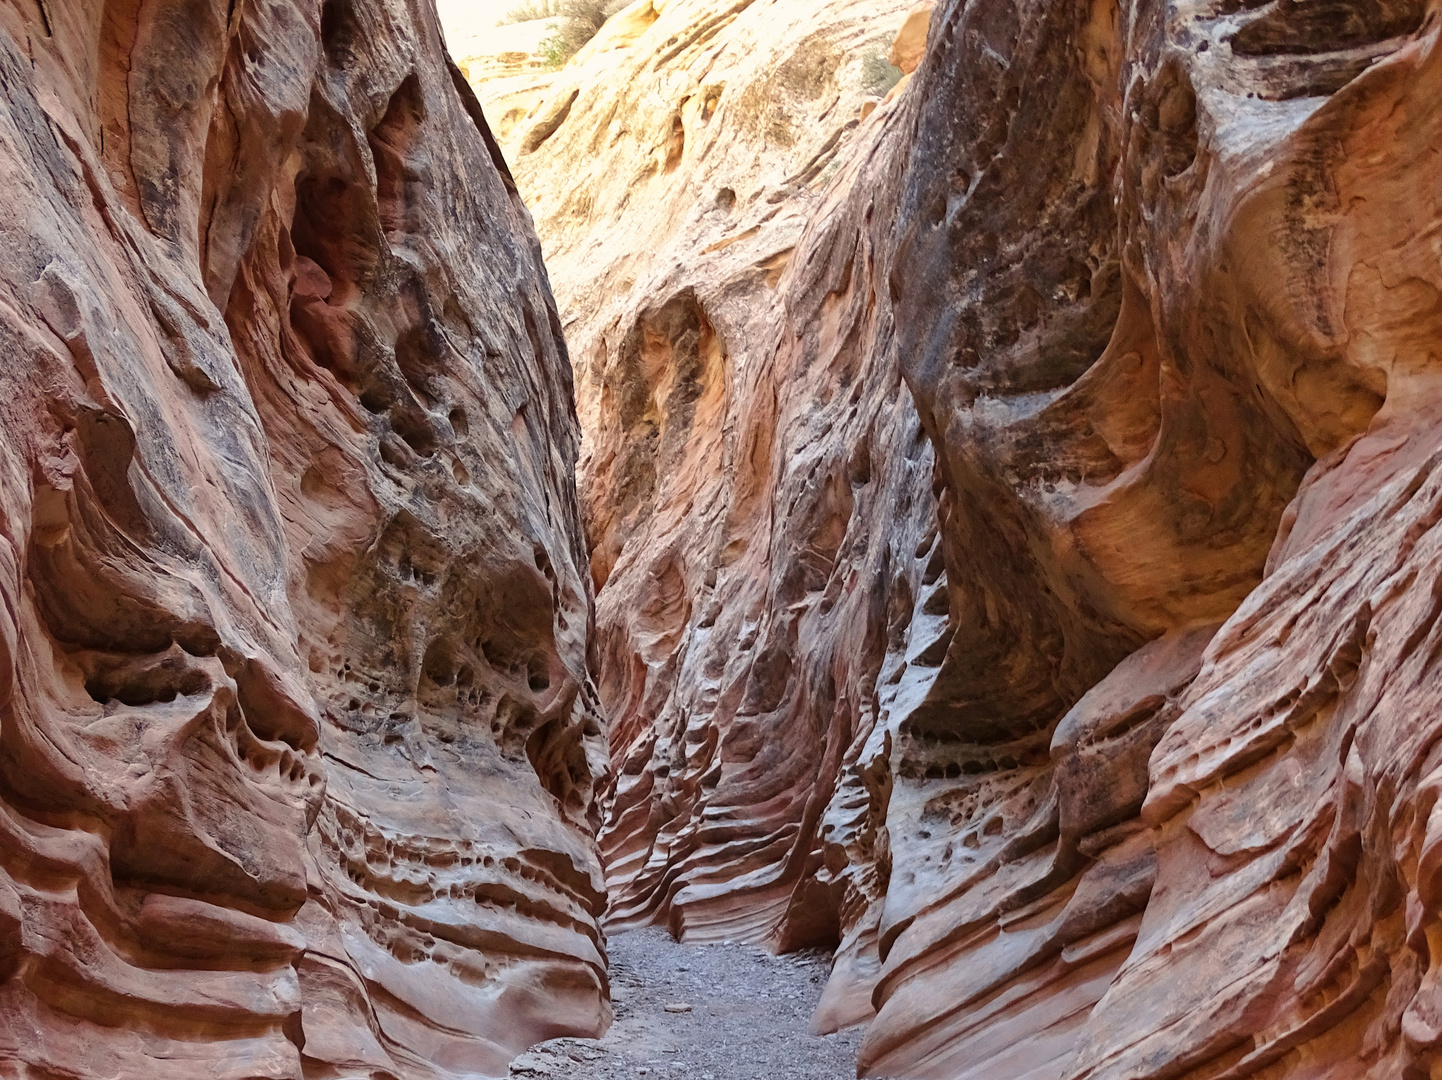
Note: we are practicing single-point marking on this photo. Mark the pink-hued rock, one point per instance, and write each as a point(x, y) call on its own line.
point(1098, 728)
point(296, 736)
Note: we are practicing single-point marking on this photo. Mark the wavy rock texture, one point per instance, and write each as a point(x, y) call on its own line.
point(757, 485)
point(297, 743)
point(1194, 254)
point(1098, 728)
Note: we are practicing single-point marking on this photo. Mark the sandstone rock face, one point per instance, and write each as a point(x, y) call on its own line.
point(297, 742)
point(757, 484)
point(1098, 725)
point(501, 60)
point(1192, 257)
point(910, 45)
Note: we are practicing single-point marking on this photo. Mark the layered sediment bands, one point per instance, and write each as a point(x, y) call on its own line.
point(756, 484)
point(1097, 727)
point(750, 702)
point(297, 743)
point(1183, 266)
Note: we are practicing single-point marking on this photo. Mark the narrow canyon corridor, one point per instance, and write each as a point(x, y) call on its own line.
point(724, 1011)
point(721, 539)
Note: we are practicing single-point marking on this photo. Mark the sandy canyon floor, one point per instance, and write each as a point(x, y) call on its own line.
point(746, 1020)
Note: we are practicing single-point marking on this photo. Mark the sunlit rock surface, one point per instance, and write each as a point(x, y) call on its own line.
point(497, 56)
point(297, 743)
point(1098, 725)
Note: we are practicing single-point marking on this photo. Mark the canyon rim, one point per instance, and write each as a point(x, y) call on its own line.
point(972, 504)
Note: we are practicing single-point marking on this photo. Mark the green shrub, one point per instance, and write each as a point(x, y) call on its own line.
point(878, 74)
point(581, 20)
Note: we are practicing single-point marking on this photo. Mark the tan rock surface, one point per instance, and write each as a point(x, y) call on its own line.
point(1013, 495)
point(673, 166)
point(501, 60)
point(1110, 750)
point(296, 736)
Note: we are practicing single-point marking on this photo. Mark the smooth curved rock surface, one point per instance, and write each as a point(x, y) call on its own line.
point(297, 741)
point(1191, 258)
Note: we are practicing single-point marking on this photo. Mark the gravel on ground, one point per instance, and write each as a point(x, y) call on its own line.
point(747, 1019)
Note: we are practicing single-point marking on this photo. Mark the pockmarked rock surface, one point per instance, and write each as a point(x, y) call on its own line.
point(1095, 724)
point(1189, 267)
point(297, 742)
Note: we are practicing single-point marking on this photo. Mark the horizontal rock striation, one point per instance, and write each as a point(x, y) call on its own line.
point(297, 742)
point(1095, 726)
point(1182, 269)
point(757, 486)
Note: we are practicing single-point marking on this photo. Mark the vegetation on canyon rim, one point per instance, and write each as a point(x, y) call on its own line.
point(878, 74)
point(580, 21)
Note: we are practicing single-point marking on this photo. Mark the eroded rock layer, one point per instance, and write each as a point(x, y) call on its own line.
point(297, 742)
point(757, 484)
point(1190, 257)
point(1099, 725)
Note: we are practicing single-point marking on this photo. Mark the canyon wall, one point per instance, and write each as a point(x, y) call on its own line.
point(1014, 515)
point(675, 164)
point(714, 188)
point(297, 740)
point(1188, 266)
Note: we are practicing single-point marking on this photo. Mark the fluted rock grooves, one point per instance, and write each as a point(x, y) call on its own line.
point(1010, 499)
point(1016, 539)
point(297, 742)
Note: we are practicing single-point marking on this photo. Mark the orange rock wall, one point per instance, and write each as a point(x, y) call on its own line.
point(297, 742)
point(1096, 726)
point(1014, 499)
point(714, 189)
point(1185, 269)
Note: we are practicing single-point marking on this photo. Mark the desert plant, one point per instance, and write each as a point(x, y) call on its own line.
point(531, 11)
point(878, 74)
point(580, 21)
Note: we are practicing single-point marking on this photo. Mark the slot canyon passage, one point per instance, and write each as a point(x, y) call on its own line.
point(946, 494)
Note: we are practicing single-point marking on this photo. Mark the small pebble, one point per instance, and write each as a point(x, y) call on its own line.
point(677, 1007)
